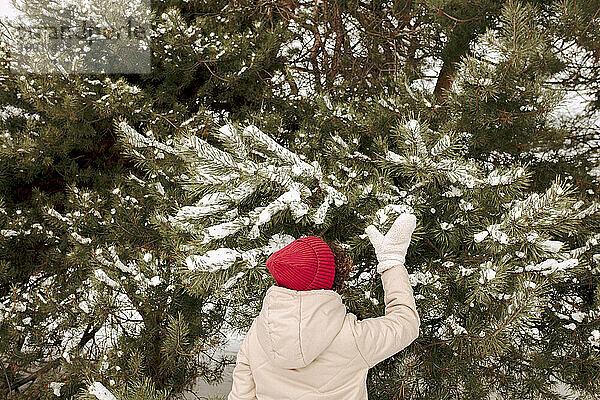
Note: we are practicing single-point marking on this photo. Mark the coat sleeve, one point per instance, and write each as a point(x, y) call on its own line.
point(381, 337)
point(243, 386)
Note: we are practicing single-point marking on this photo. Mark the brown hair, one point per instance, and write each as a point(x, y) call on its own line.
point(343, 266)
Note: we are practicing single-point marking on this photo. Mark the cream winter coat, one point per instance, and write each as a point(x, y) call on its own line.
point(305, 346)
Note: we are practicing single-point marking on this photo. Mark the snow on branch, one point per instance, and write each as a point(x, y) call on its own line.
point(224, 257)
point(251, 175)
point(135, 139)
point(101, 392)
point(233, 141)
point(264, 142)
point(209, 154)
point(538, 210)
point(214, 169)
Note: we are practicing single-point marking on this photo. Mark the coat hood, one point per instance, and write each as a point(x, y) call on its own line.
point(294, 327)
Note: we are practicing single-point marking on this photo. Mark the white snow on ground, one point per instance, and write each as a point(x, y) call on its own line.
point(202, 388)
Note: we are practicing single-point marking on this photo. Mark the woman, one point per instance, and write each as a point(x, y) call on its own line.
point(304, 345)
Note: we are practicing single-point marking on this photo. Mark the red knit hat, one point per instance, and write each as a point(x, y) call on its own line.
point(305, 264)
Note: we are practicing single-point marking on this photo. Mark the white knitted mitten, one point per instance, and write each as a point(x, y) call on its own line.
point(391, 248)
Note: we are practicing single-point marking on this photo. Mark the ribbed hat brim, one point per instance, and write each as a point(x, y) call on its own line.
point(305, 264)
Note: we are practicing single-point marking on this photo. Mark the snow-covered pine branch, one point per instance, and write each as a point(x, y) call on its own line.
point(432, 155)
point(215, 216)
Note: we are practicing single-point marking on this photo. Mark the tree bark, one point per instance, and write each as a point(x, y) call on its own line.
point(444, 80)
point(455, 49)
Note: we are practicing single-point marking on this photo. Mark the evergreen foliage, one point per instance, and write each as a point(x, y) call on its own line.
point(137, 211)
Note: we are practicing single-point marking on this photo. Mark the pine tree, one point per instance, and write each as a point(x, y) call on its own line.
point(88, 294)
point(87, 283)
point(492, 261)
point(139, 209)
